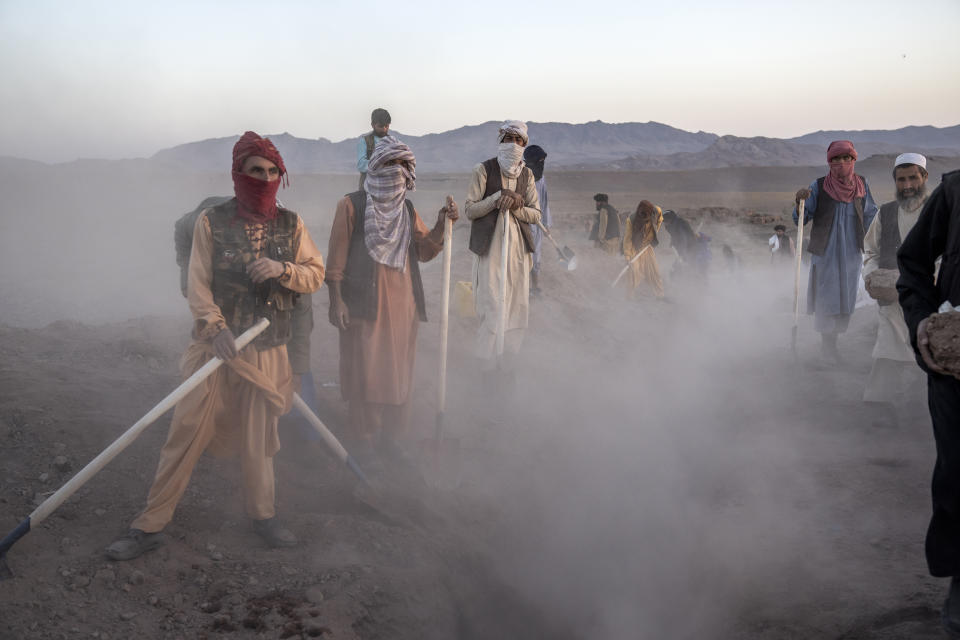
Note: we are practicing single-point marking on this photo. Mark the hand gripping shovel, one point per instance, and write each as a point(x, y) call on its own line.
point(567, 258)
point(93, 467)
point(796, 281)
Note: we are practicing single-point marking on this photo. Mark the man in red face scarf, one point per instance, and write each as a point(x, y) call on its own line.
point(250, 258)
point(840, 209)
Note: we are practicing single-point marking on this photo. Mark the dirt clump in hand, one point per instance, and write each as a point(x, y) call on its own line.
point(943, 329)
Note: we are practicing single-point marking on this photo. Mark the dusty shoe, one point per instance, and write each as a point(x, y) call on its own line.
point(950, 616)
point(274, 533)
point(133, 544)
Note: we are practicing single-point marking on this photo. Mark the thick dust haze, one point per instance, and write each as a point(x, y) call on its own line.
point(665, 469)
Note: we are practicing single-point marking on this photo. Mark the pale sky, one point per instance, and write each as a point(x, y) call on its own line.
point(106, 79)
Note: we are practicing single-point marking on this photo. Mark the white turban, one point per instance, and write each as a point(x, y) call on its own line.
point(515, 127)
point(910, 158)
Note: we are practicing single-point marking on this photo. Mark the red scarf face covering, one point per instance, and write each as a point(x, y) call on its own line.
point(841, 183)
point(257, 198)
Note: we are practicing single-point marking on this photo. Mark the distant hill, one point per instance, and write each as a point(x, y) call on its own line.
point(601, 146)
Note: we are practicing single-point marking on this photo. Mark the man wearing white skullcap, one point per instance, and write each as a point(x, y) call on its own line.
point(894, 364)
point(502, 184)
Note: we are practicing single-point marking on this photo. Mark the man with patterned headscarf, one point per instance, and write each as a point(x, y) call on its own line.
point(250, 258)
point(840, 209)
point(502, 192)
point(641, 232)
point(376, 294)
point(893, 358)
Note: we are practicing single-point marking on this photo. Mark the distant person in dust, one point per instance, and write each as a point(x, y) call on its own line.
point(535, 157)
point(249, 258)
point(376, 296)
point(380, 127)
point(502, 192)
point(840, 209)
point(640, 237)
point(606, 229)
point(894, 365)
point(782, 251)
point(936, 235)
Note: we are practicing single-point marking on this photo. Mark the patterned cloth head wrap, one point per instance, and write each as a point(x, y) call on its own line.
point(386, 226)
point(515, 127)
point(842, 184)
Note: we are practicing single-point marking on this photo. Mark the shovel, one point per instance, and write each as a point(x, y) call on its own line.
point(502, 325)
point(796, 281)
point(627, 267)
point(439, 443)
point(567, 257)
point(93, 467)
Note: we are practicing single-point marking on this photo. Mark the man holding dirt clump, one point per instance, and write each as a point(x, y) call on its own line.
point(841, 208)
point(923, 291)
point(893, 358)
point(249, 260)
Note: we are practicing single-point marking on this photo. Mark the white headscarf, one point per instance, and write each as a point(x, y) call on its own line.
point(386, 226)
point(510, 155)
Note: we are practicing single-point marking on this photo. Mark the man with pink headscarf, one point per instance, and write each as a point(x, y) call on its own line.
point(249, 259)
point(839, 208)
point(376, 296)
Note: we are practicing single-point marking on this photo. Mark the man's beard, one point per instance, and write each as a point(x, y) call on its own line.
point(913, 201)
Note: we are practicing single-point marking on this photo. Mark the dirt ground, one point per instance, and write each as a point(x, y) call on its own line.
point(663, 470)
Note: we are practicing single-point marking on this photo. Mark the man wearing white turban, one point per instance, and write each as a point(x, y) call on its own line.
point(894, 360)
point(502, 184)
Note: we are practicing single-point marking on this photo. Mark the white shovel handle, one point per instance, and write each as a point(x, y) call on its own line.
point(94, 466)
point(624, 270)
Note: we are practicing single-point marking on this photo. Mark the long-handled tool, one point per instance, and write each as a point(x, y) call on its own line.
point(627, 267)
point(502, 324)
point(567, 257)
point(444, 328)
point(93, 467)
point(796, 281)
point(329, 439)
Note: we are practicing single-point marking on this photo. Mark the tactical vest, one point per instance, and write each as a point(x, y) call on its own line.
point(481, 229)
point(241, 301)
point(370, 141)
point(359, 286)
point(823, 219)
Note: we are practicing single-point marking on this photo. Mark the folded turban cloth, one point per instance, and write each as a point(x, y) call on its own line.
point(515, 127)
point(600, 197)
point(257, 198)
point(251, 144)
point(842, 184)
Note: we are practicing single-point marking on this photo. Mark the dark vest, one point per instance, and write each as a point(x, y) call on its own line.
point(823, 220)
point(240, 300)
point(889, 235)
point(613, 221)
point(481, 229)
point(359, 286)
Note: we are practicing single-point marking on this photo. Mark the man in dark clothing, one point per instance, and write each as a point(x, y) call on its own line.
point(937, 235)
point(606, 230)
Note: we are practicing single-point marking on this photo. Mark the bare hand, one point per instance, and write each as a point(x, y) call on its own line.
point(923, 345)
point(263, 269)
point(509, 200)
point(450, 210)
point(339, 315)
point(802, 194)
point(224, 346)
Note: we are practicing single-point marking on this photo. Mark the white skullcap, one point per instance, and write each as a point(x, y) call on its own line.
point(910, 158)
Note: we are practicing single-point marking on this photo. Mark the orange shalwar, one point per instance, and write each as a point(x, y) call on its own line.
point(645, 268)
point(377, 356)
point(234, 411)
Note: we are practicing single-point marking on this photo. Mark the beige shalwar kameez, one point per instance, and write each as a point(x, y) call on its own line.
point(235, 410)
point(894, 364)
point(486, 269)
point(643, 270)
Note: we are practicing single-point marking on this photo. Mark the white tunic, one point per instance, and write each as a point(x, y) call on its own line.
point(893, 340)
point(486, 271)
